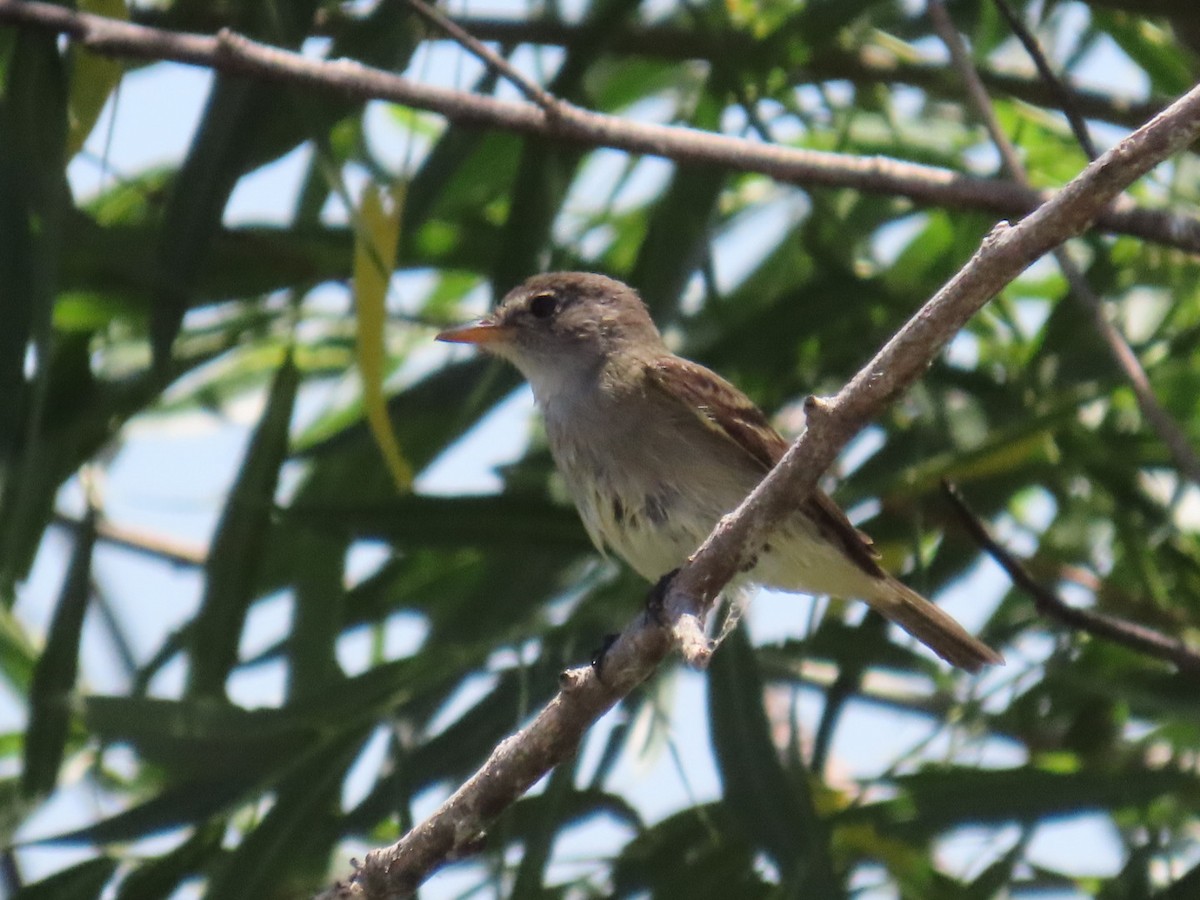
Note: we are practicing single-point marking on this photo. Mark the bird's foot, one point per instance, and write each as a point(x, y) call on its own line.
point(602, 653)
point(656, 600)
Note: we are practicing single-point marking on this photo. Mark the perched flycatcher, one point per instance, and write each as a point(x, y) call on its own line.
point(655, 449)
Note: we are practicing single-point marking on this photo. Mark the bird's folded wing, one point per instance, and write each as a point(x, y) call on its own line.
point(720, 406)
point(725, 410)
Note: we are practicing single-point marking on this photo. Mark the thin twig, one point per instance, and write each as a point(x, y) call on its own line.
point(927, 185)
point(1161, 422)
point(1169, 431)
point(1128, 634)
point(1065, 101)
point(143, 542)
point(960, 59)
point(487, 56)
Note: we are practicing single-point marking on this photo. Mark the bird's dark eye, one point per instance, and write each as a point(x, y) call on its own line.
point(542, 306)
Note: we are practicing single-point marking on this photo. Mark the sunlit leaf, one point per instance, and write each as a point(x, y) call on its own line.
point(93, 78)
point(374, 258)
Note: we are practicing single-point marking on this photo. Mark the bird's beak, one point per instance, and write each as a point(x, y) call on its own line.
point(485, 331)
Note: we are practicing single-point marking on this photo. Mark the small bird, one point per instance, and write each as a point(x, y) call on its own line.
point(655, 449)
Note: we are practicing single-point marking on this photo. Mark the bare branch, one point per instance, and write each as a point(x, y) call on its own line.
point(1120, 631)
point(1161, 422)
point(867, 65)
point(976, 92)
point(925, 185)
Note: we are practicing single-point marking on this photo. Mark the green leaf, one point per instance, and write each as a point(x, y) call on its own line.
point(376, 237)
point(320, 610)
point(700, 852)
point(541, 819)
point(677, 236)
point(518, 521)
point(1182, 888)
point(93, 78)
point(33, 197)
point(160, 876)
point(54, 676)
point(85, 881)
point(14, 804)
point(773, 807)
point(287, 851)
point(937, 799)
point(215, 161)
point(18, 656)
point(189, 804)
point(236, 553)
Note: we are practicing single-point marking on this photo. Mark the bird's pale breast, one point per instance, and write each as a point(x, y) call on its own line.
point(650, 489)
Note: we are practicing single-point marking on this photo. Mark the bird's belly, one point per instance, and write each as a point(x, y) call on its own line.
point(656, 526)
point(653, 514)
point(652, 530)
point(652, 550)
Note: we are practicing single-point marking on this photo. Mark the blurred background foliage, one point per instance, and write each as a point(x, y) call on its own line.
point(421, 624)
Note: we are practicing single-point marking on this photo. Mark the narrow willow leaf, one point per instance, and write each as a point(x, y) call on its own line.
point(544, 821)
point(237, 548)
point(187, 804)
point(374, 258)
point(54, 677)
point(93, 78)
point(33, 197)
point(1188, 885)
point(937, 799)
point(698, 853)
point(775, 811)
point(160, 876)
point(85, 881)
point(287, 852)
point(18, 655)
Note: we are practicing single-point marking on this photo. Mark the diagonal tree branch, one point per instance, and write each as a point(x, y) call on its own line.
point(518, 762)
point(1168, 430)
point(926, 185)
point(482, 52)
point(1058, 90)
point(1135, 636)
point(1004, 254)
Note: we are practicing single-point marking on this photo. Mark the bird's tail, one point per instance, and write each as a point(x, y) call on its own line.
point(933, 627)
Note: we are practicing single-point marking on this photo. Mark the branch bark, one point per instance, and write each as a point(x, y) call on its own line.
point(924, 185)
point(1004, 254)
point(1170, 432)
point(870, 65)
point(456, 828)
point(1133, 635)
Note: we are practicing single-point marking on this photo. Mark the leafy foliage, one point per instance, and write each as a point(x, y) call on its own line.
point(423, 625)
